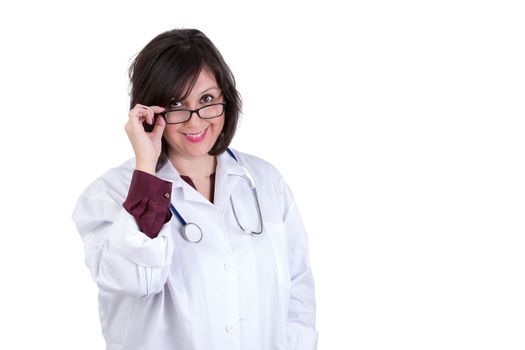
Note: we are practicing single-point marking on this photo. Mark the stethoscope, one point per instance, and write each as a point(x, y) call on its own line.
point(192, 233)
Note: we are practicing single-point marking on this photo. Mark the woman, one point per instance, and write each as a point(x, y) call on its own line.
point(186, 253)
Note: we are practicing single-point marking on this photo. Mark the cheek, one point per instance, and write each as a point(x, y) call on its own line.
point(218, 124)
point(170, 131)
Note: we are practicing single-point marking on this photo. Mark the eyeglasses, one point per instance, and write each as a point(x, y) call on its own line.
point(177, 116)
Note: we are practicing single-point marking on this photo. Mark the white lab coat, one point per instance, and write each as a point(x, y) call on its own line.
point(230, 291)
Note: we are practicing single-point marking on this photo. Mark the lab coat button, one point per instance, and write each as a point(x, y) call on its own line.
point(229, 328)
point(227, 267)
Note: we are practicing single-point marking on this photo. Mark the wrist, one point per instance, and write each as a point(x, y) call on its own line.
point(147, 167)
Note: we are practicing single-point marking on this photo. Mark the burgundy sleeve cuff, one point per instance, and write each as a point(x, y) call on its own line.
point(148, 202)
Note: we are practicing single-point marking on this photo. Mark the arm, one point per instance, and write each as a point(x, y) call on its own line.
point(121, 258)
point(301, 332)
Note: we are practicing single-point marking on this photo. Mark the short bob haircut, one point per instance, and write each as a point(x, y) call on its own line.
point(167, 69)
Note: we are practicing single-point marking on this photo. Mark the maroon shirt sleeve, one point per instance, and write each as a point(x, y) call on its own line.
point(148, 202)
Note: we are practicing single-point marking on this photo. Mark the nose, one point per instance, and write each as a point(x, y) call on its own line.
point(194, 120)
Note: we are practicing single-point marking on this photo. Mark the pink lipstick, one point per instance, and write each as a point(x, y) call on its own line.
point(198, 137)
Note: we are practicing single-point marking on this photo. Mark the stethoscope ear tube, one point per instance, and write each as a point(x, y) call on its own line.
point(254, 190)
point(244, 229)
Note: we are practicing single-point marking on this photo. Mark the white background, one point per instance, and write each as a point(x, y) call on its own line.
point(398, 124)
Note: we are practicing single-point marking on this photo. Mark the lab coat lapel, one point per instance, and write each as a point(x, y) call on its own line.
point(227, 175)
point(180, 189)
point(169, 173)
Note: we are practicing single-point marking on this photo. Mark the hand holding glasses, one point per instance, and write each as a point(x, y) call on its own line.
point(147, 145)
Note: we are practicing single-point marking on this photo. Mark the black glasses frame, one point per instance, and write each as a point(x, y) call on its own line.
point(191, 111)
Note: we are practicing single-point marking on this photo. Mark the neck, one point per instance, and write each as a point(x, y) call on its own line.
point(194, 166)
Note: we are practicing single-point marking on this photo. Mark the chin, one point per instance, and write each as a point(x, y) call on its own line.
point(197, 150)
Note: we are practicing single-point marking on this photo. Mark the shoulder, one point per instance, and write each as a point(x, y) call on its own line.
point(113, 184)
point(102, 200)
point(274, 193)
point(266, 175)
point(257, 165)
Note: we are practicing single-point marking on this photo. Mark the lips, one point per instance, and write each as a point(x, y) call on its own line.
point(196, 137)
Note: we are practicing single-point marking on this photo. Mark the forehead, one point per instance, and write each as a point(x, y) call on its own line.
point(205, 80)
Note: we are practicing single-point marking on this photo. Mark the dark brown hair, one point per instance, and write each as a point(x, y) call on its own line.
point(168, 67)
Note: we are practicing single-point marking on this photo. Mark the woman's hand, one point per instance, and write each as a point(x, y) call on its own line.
point(146, 145)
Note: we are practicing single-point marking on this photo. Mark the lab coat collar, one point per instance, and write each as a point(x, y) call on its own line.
point(227, 165)
point(224, 183)
point(169, 173)
point(180, 189)
point(228, 173)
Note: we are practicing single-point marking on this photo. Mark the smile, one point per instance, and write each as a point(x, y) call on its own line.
point(197, 137)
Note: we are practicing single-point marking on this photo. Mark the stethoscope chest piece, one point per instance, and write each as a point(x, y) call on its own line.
point(192, 232)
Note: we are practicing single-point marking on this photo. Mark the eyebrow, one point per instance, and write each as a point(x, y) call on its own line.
point(202, 92)
point(208, 89)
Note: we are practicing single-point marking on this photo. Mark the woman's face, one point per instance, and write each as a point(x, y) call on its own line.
point(195, 137)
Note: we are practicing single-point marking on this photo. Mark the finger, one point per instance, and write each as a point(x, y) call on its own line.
point(157, 109)
point(158, 128)
point(146, 113)
point(137, 114)
point(152, 111)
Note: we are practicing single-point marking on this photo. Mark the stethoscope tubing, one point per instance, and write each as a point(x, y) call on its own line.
point(192, 232)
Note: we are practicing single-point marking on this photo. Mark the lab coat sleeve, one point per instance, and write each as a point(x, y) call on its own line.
point(301, 332)
point(122, 259)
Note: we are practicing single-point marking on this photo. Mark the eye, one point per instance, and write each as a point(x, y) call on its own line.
point(175, 104)
point(207, 98)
